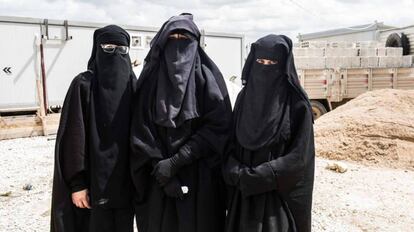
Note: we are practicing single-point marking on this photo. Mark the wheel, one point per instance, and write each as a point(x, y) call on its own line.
point(397, 41)
point(405, 43)
point(318, 109)
point(393, 40)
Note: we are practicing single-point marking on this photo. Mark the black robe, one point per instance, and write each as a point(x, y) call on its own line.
point(277, 196)
point(202, 137)
point(92, 144)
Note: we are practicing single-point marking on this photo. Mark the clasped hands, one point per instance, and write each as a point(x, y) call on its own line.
point(250, 180)
point(165, 172)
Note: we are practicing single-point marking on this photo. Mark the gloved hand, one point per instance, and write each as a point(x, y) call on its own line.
point(164, 170)
point(257, 180)
point(232, 171)
point(173, 189)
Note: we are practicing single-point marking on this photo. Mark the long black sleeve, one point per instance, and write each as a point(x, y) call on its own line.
point(72, 127)
point(78, 182)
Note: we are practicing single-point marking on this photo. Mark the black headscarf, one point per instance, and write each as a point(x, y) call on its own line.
point(93, 132)
point(111, 100)
point(181, 109)
point(263, 116)
point(112, 71)
point(176, 61)
point(175, 97)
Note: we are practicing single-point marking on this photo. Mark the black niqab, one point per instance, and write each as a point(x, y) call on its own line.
point(264, 116)
point(182, 107)
point(93, 136)
point(111, 102)
point(176, 100)
point(167, 96)
point(270, 163)
point(111, 70)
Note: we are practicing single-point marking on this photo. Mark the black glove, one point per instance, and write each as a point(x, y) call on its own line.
point(173, 189)
point(257, 180)
point(165, 169)
point(232, 172)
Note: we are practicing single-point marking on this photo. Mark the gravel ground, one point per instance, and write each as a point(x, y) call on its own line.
point(365, 198)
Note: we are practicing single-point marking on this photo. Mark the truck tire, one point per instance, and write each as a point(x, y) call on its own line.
point(397, 41)
point(318, 109)
point(405, 43)
point(393, 40)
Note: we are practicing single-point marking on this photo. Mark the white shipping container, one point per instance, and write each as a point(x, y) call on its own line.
point(19, 65)
point(66, 53)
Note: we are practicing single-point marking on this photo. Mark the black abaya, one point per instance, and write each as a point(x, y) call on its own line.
point(270, 167)
point(182, 110)
point(92, 143)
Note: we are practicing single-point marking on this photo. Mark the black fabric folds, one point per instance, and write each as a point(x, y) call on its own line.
point(182, 113)
point(111, 103)
point(176, 83)
point(263, 116)
point(92, 143)
point(269, 166)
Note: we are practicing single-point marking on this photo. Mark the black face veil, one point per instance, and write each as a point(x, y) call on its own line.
point(263, 117)
point(111, 100)
point(93, 136)
point(176, 82)
point(112, 71)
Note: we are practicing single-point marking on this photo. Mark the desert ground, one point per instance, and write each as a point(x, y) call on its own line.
point(368, 143)
point(364, 198)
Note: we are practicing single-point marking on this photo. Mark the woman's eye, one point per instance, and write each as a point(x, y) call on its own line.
point(260, 61)
point(178, 37)
point(109, 46)
point(266, 61)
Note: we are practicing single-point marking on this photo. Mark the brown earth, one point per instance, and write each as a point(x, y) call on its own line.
point(375, 128)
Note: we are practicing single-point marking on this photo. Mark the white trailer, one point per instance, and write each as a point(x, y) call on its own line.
point(66, 48)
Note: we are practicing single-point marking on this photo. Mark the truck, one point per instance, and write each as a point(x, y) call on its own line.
point(333, 73)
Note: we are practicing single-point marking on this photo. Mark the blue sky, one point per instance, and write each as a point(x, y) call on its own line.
point(254, 18)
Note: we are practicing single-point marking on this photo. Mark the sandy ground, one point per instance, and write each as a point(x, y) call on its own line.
point(365, 198)
point(375, 128)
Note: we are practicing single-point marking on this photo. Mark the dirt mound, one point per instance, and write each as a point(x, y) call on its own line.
point(375, 128)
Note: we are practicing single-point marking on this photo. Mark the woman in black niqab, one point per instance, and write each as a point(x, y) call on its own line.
point(92, 143)
point(179, 133)
point(270, 163)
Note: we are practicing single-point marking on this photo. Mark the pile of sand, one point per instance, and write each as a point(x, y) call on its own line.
point(374, 128)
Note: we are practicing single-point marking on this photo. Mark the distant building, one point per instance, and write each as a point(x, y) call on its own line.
point(377, 31)
point(367, 32)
